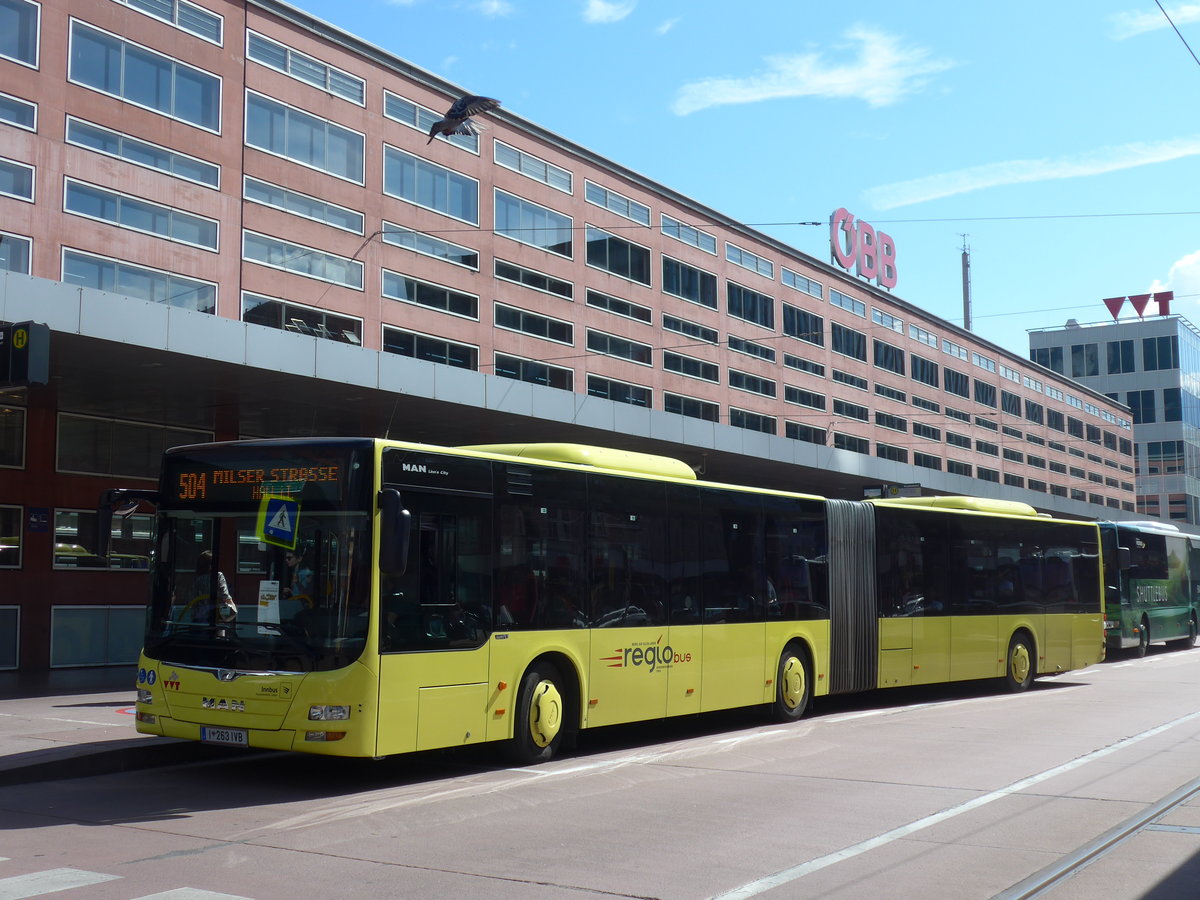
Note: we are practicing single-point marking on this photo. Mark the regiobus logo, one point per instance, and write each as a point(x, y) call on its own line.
point(651, 655)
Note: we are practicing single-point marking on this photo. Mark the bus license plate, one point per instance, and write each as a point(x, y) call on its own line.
point(236, 736)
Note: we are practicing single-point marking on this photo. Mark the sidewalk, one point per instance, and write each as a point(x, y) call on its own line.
point(70, 723)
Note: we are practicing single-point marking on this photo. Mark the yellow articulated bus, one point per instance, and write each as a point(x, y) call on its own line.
point(363, 597)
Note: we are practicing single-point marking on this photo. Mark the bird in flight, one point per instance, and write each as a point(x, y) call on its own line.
point(458, 117)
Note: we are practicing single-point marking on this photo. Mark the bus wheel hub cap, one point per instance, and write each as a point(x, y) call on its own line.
point(1020, 662)
point(545, 714)
point(793, 683)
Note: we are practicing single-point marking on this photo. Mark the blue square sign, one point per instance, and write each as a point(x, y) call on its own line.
point(278, 518)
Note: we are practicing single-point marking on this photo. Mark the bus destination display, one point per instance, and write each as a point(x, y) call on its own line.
point(194, 481)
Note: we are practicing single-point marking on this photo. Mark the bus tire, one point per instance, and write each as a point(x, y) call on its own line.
point(1021, 663)
point(793, 684)
point(539, 722)
point(1143, 646)
point(1190, 640)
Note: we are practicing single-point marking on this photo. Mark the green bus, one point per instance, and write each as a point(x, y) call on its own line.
point(1151, 585)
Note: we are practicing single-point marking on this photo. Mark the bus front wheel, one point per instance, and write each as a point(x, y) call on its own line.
point(1020, 667)
point(1143, 639)
point(538, 729)
point(793, 684)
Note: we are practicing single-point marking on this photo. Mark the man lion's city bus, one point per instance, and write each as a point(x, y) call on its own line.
point(1152, 585)
point(520, 593)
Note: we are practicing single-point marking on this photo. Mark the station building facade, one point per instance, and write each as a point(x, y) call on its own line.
point(231, 220)
point(1152, 365)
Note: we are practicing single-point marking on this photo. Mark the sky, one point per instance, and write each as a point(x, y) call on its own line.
point(1059, 141)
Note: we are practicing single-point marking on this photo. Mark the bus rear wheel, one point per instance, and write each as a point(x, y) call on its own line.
point(1190, 640)
point(538, 729)
point(793, 684)
point(1019, 668)
point(1143, 639)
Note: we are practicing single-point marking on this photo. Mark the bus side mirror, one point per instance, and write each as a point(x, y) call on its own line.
point(395, 526)
point(1124, 558)
point(116, 502)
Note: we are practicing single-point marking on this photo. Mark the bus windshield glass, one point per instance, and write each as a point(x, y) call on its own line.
point(262, 559)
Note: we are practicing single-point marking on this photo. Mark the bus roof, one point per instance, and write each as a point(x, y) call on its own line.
point(973, 504)
point(1147, 525)
point(599, 457)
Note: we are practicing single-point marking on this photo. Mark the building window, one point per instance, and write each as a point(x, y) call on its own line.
point(306, 139)
point(692, 330)
point(983, 362)
point(257, 191)
point(618, 203)
point(75, 541)
point(142, 153)
point(689, 283)
point(183, 15)
point(753, 384)
point(1010, 403)
point(987, 474)
point(534, 372)
point(889, 357)
point(11, 518)
point(751, 421)
point(618, 256)
point(301, 260)
point(954, 382)
point(954, 467)
point(432, 296)
point(538, 281)
point(926, 461)
point(985, 394)
point(806, 433)
point(984, 422)
point(851, 443)
point(928, 432)
point(691, 367)
point(15, 251)
point(618, 391)
point(691, 407)
point(958, 351)
point(689, 234)
point(748, 260)
point(965, 417)
point(803, 326)
point(750, 348)
point(1034, 412)
point(1160, 353)
point(854, 381)
point(431, 349)
point(894, 423)
point(136, 75)
point(803, 398)
point(12, 438)
point(848, 303)
point(138, 281)
point(801, 283)
point(800, 364)
point(887, 451)
point(140, 215)
point(18, 112)
point(924, 371)
point(1049, 357)
point(1014, 455)
point(510, 318)
point(928, 338)
point(19, 21)
point(1014, 480)
point(954, 439)
point(16, 180)
point(427, 245)
point(305, 68)
point(850, 410)
point(89, 445)
point(619, 307)
point(1141, 403)
point(847, 341)
point(429, 185)
point(622, 348)
point(891, 393)
point(750, 306)
point(1172, 408)
point(929, 405)
point(275, 313)
point(532, 167)
point(887, 320)
point(1085, 360)
point(1120, 357)
point(987, 447)
point(422, 119)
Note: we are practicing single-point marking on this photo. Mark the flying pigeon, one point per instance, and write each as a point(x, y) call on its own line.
point(458, 117)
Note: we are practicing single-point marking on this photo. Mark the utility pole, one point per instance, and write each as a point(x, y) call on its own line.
point(966, 282)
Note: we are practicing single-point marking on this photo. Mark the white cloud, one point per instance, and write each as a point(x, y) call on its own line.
point(1131, 24)
point(1022, 171)
point(666, 26)
point(605, 12)
point(883, 72)
point(494, 8)
point(1183, 279)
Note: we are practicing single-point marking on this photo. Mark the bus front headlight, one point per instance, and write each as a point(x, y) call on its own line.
point(328, 713)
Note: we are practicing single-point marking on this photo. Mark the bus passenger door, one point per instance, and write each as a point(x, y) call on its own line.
point(435, 621)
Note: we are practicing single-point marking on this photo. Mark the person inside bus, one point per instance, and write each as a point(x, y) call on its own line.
point(201, 607)
point(299, 579)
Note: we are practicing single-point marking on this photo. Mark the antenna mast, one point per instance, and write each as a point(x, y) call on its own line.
point(966, 282)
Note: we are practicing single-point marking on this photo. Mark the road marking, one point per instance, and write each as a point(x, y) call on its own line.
point(18, 887)
point(813, 865)
point(191, 894)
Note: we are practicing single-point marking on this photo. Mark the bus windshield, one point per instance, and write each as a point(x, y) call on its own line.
point(262, 562)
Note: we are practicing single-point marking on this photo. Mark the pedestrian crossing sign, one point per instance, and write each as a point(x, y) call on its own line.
point(278, 518)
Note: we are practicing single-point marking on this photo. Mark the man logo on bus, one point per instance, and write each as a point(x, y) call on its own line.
point(653, 656)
